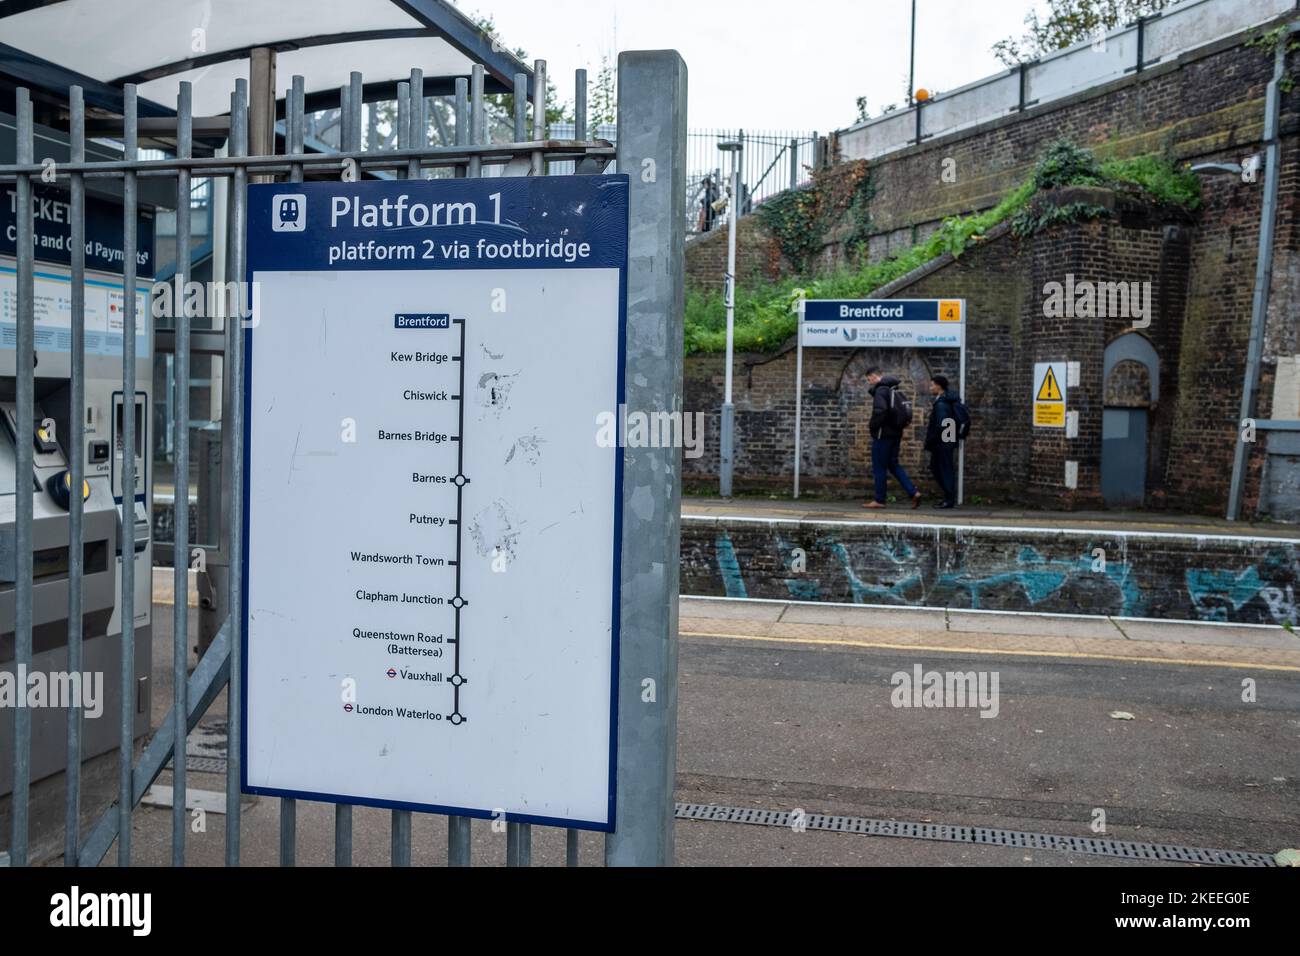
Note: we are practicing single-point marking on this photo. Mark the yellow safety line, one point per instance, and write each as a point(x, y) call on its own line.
point(993, 650)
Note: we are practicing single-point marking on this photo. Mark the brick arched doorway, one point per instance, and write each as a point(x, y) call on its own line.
point(1131, 373)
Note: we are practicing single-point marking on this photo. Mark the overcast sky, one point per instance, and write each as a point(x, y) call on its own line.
point(770, 64)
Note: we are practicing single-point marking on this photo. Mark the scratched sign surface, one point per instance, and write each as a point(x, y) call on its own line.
point(431, 564)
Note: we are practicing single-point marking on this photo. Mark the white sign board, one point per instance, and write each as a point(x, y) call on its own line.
point(432, 549)
point(883, 323)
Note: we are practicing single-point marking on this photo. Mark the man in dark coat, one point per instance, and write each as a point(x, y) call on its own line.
point(941, 440)
point(886, 437)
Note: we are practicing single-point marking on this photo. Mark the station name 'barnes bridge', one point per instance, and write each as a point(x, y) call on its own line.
point(402, 212)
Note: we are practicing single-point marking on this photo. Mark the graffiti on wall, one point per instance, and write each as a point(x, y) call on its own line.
point(1108, 574)
point(1221, 595)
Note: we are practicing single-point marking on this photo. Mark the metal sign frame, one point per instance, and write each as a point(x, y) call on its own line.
point(798, 393)
point(539, 208)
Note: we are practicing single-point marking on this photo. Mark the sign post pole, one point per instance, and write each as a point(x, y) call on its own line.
point(798, 397)
point(961, 447)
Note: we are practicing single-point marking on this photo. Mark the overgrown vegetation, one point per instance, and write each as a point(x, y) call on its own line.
point(801, 219)
point(766, 314)
point(1269, 41)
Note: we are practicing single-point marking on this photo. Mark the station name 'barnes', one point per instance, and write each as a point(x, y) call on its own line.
point(403, 212)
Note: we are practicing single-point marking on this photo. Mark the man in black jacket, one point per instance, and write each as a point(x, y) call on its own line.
point(886, 437)
point(941, 440)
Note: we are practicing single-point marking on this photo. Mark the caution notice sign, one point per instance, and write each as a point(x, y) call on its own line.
point(1049, 394)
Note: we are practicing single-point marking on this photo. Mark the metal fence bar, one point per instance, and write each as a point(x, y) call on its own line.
point(127, 610)
point(538, 164)
point(407, 96)
point(234, 374)
point(433, 156)
point(570, 847)
point(351, 126)
point(580, 104)
point(469, 130)
point(462, 119)
point(181, 479)
point(401, 838)
point(519, 844)
point(342, 834)
point(294, 115)
point(419, 135)
point(25, 413)
point(521, 107)
point(477, 126)
point(458, 834)
point(77, 464)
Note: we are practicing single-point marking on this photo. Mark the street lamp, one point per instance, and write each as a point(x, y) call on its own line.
point(726, 452)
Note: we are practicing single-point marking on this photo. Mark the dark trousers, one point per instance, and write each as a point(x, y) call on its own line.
point(944, 468)
point(884, 462)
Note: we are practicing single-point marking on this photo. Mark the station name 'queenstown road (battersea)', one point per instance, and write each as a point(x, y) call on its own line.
point(403, 212)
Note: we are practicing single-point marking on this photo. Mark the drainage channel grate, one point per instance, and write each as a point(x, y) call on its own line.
point(205, 764)
point(985, 835)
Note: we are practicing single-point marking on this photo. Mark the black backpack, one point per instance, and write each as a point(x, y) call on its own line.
point(900, 409)
point(962, 414)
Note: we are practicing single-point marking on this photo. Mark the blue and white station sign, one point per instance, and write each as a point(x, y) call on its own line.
point(432, 523)
point(883, 323)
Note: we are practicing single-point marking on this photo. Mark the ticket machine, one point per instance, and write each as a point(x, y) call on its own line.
point(107, 504)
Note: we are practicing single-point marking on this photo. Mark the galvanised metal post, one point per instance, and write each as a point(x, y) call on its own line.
point(126, 743)
point(77, 453)
point(727, 450)
point(652, 151)
point(181, 480)
point(24, 507)
point(1263, 265)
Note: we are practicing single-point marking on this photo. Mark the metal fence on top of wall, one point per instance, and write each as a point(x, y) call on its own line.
point(1129, 49)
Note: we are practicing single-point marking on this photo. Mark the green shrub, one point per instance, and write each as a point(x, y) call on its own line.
point(766, 314)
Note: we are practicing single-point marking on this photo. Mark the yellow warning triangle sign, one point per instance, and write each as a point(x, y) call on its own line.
point(1049, 391)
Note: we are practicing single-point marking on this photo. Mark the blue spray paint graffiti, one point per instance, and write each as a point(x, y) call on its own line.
point(1214, 578)
point(864, 593)
point(729, 567)
point(801, 588)
point(1215, 593)
point(1040, 579)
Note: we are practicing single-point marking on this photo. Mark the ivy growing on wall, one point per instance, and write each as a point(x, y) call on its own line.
point(801, 219)
point(1269, 41)
point(765, 315)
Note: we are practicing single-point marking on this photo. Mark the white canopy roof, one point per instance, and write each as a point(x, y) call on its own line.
point(158, 43)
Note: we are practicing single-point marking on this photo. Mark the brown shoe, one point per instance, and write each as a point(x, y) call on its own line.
point(916, 500)
point(873, 504)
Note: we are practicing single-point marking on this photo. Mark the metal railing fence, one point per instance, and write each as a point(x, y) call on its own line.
point(471, 155)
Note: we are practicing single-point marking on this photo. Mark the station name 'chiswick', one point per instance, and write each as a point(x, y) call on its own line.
point(350, 211)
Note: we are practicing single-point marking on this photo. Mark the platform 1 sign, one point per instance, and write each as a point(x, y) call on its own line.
point(432, 525)
point(1049, 394)
point(883, 323)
